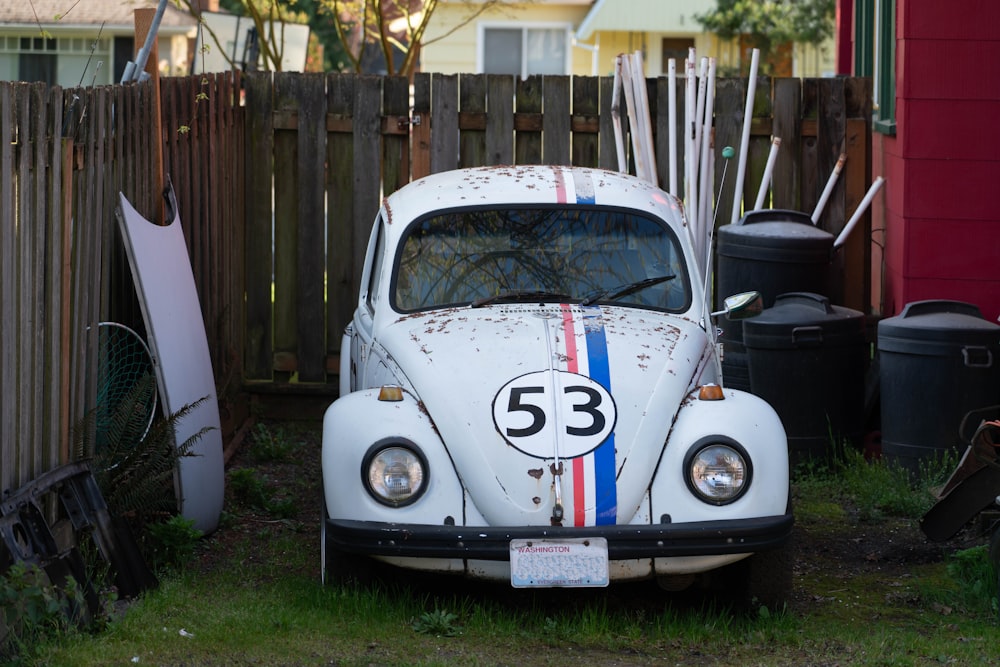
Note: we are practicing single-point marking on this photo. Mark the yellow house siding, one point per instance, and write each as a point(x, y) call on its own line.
point(450, 45)
point(455, 53)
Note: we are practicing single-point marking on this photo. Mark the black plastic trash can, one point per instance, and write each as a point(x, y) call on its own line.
point(808, 359)
point(772, 251)
point(938, 361)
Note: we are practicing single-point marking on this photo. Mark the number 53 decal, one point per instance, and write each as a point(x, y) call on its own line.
point(525, 413)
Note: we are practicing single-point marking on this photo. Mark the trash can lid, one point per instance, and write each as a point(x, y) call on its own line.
point(940, 320)
point(775, 235)
point(937, 319)
point(804, 319)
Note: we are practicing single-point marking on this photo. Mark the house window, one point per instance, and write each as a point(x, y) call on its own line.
point(37, 61)
point(875, 56)
point(64, 61)
point(524, 50)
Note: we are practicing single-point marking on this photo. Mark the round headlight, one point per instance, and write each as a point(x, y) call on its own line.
point(718, 472)
point(395, 475)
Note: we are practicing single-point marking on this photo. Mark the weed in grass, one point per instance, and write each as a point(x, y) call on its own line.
point(974, 579)
point(271, 444)
point(173, 543)
point(439, 623)
point(251, 490)
point(876, 488)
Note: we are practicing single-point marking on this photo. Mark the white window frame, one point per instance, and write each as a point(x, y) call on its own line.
point(524, 27)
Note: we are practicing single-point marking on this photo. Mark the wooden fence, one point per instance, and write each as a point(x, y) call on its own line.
point(320, 139)
point(279, 177)
point(65, 155)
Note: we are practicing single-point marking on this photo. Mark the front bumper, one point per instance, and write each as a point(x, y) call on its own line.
point(702, 538)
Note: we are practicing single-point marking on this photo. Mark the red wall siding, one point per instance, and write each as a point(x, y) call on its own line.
point(940, 211)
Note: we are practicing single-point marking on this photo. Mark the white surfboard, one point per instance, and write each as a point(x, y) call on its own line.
point(175, 327)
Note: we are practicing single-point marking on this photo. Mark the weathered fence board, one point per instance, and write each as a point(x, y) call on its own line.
point(258, 340)
point(340, 255)
point(787, 178)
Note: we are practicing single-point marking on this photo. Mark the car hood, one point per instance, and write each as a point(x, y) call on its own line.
point(520, 392)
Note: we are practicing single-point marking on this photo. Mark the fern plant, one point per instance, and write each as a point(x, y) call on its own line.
point(134, 468)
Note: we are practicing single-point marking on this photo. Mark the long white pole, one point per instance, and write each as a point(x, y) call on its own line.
point(699, 116)
point(765, 181)
point(689, 148)
point(642, 100)
point(616, 119)
point(706, 148)
point(634, 124)
point(741, 165)
point(862, 207)
point(830, 182)
point(672, 123)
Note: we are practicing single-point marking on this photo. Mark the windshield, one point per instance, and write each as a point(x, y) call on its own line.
point(542, 253)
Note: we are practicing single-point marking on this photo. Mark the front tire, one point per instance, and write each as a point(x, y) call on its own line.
point(338, 567)
point(769, 578)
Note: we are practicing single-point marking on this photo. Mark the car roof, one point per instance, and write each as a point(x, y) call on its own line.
point(529, 184)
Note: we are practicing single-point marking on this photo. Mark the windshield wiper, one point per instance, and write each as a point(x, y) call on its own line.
point(626, 289)
point(519, 295)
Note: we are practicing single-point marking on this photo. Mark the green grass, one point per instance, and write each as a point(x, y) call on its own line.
point(232, 621)
point(262, 609)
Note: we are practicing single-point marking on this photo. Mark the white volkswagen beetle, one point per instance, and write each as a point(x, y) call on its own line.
point(529, 392)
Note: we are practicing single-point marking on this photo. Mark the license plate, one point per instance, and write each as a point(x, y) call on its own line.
point(568, 563)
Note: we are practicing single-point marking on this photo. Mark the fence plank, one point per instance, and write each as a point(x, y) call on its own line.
point(310, 260)
point(830, 142)
point(730, 100)
point(607, 158)
point(556, 120)
point(858, 293)
point(260, 153)
point(367, 146)
point(420, 130)
point(528, 140)
point(500, 123)
point(445, 144)
point(9, 328)
point(396, 139)
point(854, 259)
point(786, 183)
point(472, 105)
point(586, 111)
point(23, 297)
point(340, 258)
point(286, 223)
point(811, 185)
point(661, 131)
point(35, 277)
point(759, 146)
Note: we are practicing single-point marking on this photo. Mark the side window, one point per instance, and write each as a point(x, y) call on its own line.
point(875, 56)
point(377, 264)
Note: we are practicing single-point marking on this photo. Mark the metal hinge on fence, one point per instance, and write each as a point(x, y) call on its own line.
point(401, 123)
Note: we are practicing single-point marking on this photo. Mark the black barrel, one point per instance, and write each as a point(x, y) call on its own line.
point(938, 361)
point(772, 251)
point(808, 360)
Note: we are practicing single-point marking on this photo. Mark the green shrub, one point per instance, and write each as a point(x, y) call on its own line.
point(976, 576)
point(271, 444)
point(34, 610)
point(172, 543)
point(250, 490)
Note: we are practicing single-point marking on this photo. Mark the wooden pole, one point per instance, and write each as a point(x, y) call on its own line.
point(143, 23)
